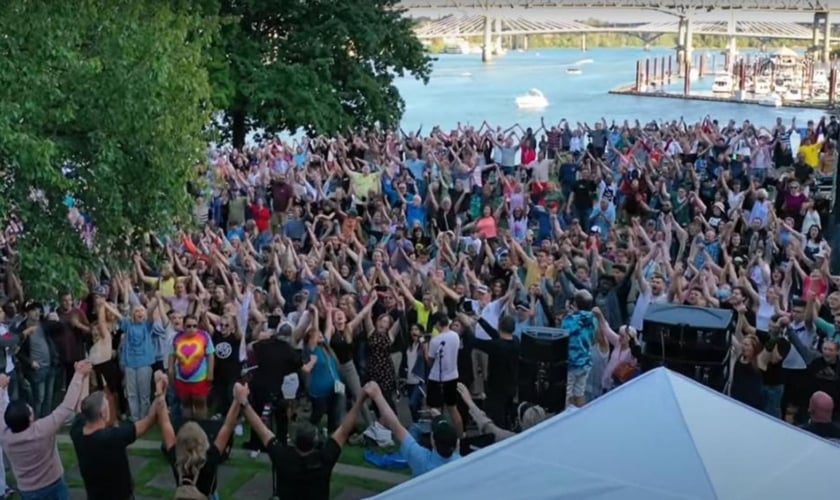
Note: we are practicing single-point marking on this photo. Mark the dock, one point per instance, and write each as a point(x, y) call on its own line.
point(630, 90)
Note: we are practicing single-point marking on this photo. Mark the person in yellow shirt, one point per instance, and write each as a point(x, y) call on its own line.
point(810, 151)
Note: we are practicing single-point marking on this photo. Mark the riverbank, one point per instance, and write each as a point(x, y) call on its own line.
point(629, 90)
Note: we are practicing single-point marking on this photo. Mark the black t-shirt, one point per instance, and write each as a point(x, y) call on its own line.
point(227, 368)
point(275, 358)
point(584, 191)
point(304, 477)
point(207, 476)
point(103, 461)
point(826, 430)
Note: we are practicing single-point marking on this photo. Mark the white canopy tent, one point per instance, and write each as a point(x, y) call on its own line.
point(661, 436)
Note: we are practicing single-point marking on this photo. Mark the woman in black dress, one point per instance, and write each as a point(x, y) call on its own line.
point(380, 337)
point(747, 373)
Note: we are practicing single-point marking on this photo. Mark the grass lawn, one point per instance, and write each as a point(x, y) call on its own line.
point(152, 478)
point(350, 455)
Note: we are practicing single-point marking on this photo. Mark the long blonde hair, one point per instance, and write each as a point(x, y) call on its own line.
point(190, 451)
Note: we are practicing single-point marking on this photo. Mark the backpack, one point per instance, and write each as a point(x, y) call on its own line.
point(188, 491)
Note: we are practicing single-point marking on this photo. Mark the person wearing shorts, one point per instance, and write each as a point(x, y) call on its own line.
point(191, 368)
point(581, 324)
point(442, 390)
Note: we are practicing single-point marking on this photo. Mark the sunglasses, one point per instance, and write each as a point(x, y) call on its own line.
point(192, 325)
point(225, 325)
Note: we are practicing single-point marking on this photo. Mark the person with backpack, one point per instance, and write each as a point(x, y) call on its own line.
point(194, 459)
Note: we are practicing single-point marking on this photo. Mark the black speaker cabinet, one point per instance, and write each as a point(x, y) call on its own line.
point(712, 375)
point(687, 333)
point(543, 366)
point(545, 345)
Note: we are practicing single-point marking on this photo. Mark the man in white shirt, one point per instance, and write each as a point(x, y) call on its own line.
point(442, 355)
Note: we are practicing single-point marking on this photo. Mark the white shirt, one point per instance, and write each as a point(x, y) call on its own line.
point(443, 349)
point(491, 314)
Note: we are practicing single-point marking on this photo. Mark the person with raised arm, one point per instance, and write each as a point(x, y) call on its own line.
point(101, 449)
point(302, 470)
point(420, 459)
point(194, 459)
point(30, 444)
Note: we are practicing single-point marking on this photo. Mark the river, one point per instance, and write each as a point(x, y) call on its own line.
point(464, 89)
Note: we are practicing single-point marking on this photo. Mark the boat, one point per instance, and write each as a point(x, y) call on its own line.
point(722, 84)
point(762, 87)
point(574, 71)
point(534, 99)
point(793, 95)
point(772, 101)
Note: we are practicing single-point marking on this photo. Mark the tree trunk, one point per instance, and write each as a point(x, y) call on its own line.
point(238, 128)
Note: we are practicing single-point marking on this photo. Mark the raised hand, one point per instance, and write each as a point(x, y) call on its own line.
point(241, 393)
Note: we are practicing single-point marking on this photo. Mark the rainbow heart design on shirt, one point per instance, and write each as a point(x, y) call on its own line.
point(190, 353)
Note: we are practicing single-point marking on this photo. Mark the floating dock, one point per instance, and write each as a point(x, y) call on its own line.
point(630, 90)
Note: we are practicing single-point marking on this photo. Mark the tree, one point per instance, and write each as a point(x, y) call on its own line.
point(105, 101)
point(321, 65)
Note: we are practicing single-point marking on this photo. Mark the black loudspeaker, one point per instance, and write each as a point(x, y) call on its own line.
point(543, 367)
point(692, 341)
point(211, 428)
point(688, 333)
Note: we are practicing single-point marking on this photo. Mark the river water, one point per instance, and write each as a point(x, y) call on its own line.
point(464, 89)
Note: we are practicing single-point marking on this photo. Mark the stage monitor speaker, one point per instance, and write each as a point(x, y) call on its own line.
point(687, 333)
point(543, 367)
point(211, 428)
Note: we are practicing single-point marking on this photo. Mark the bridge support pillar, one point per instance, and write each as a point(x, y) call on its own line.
point(681, 47)
point(689, 45)
point(826, 51)
point(583, 42)
point(487, 46)
point(497, 36)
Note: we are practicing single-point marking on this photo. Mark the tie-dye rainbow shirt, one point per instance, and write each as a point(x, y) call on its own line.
point(192, 351)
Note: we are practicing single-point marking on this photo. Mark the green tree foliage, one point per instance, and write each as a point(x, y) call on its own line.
point(321, 65)
point(115, 89)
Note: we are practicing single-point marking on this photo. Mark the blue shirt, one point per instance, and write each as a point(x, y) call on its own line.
point(138, 348)
point(420, 459)
point(581, 326)
point(416, 168)
point(324, 374)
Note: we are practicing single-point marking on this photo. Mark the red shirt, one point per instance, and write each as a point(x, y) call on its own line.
point(261, 217)
point(528, 155)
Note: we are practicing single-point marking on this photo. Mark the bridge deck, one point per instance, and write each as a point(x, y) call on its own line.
point(516, 24)
point(670, 5)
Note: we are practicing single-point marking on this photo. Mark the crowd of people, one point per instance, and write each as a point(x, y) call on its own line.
point(327, 278)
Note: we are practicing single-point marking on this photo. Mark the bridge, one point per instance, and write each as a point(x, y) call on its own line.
point(494, 19)
point(673, 6)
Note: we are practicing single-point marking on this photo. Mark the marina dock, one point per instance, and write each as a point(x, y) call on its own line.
point(783, 79)
point(630, 90)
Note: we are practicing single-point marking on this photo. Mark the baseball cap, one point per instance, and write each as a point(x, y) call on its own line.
point(482, 289)
point(521, 304)
point(445, 437)
point(595, 230)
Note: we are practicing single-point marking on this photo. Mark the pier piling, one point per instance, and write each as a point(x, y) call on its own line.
point(670, 68)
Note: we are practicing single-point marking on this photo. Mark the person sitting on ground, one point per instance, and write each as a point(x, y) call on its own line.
point(101, 449)
point(303, 470)
point(527, 416)
point(30, 444)
point(194, 460)
point(820, 409)
point(420, 460)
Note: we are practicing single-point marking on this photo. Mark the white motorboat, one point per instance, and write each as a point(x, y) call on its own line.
point(574, 71)
point(762, 87)
point(793, 94)
point(772, 101)
point(534, 99)
point(722, 84)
